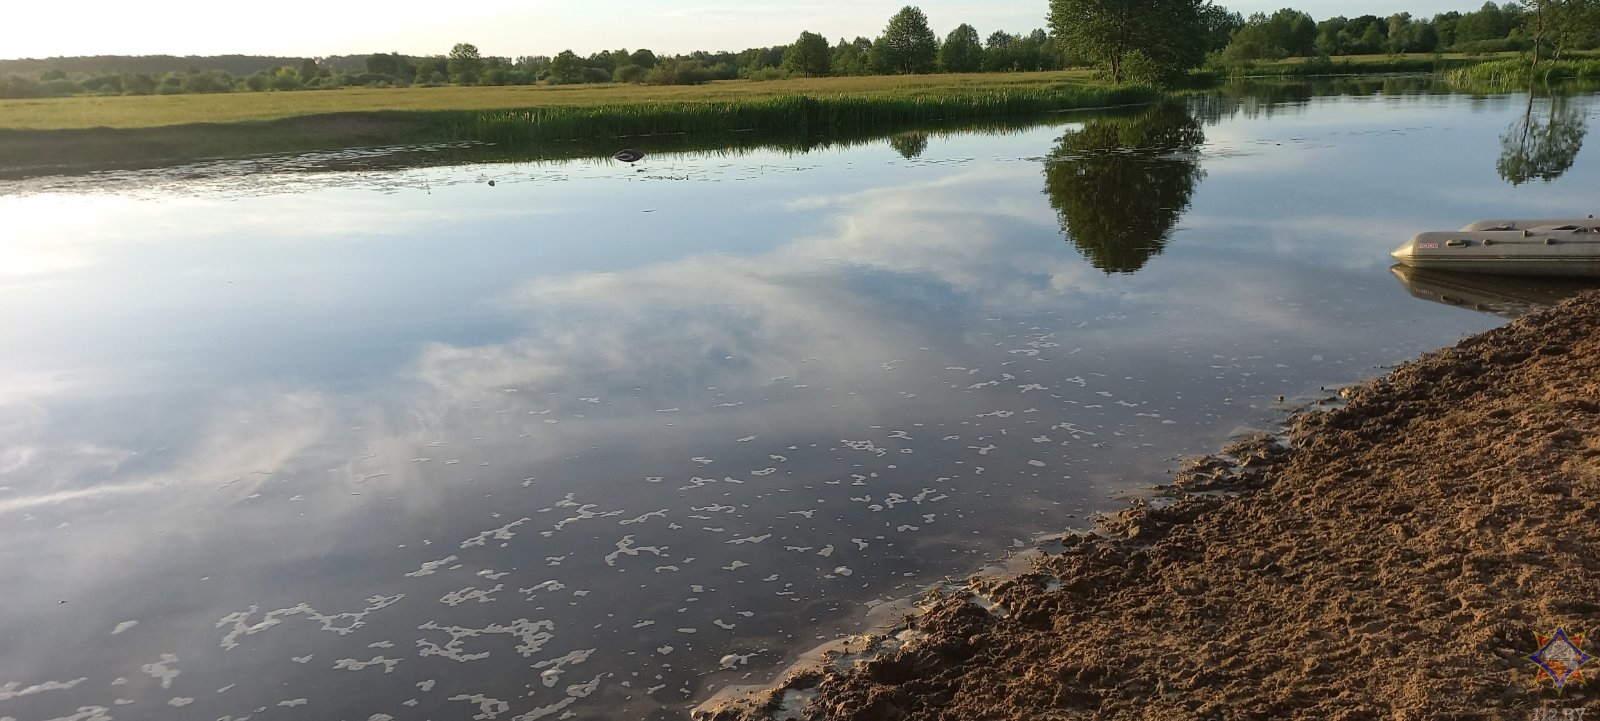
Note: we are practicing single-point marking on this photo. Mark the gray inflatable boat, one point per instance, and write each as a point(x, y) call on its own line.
point(1552, 247)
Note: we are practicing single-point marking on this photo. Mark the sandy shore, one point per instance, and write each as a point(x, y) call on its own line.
point(1395, 560)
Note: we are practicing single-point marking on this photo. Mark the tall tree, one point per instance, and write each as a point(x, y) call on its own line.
point(809, 55)
point(1560, 25)
point(465, 63)
point(961, 52)
point(907, 45)
point(851, 58)
point(1577, 26)
point(566, 68)
point(1282, 34)
point(1445, 25)
point(1490, 22)
point(384, 63)
point(1156, 39)
point(433, 69)
point(1219, 24)
point(643, 58)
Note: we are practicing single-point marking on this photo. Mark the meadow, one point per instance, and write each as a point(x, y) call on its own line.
point(65, 134)
point(148, 111)
point(87, 132)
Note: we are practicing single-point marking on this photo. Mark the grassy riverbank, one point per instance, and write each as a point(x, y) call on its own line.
point(1517, 73)
point(67, 133)
point(1445, 63)
point(145, 111)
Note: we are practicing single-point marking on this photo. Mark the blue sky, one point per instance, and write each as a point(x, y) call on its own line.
point(519, 27)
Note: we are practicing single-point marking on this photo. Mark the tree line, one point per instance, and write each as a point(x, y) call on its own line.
point(906, 46)
point(1553, 27)
point(1153, 41)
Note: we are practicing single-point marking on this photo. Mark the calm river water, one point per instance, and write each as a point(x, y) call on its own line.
point(364, 437)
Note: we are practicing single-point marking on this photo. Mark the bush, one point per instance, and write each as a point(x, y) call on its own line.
point(679, 72)
point(16, 86)
point(138, 84)
point(769, 74)
point(103, 83)
point(207, 83)
point(382, 80)
point(629, 73)
point(1498, 45)
point(60, 87)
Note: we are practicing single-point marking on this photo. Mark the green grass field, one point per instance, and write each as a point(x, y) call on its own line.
point(148, 111)
point(86, 132)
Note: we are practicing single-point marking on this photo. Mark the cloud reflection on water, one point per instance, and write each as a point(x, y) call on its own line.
point(676, 428)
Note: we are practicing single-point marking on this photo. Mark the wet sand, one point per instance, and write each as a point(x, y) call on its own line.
point(1395, 558)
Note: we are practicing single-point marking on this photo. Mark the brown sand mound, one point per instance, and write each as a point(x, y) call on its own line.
point(1395, 562)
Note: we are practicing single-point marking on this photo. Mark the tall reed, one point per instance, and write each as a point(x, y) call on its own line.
point(1321, 66)
point(801, 114)
point(1516, 73)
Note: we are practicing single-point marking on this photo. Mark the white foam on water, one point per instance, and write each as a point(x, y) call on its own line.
point(641, 519)
point(625, 546)
point(430, 567)
point(533, 635)
point(13, 689)
point(470, 593)
point(488, 708)
point(351, 664)
point(85, 713)
point(503, 533)
point(342, 624)
point(162, 669)
point(553, 668)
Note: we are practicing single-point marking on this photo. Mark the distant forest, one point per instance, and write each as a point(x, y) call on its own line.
point(907, 45)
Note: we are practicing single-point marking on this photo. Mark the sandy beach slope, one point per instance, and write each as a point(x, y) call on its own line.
point(1397, 559)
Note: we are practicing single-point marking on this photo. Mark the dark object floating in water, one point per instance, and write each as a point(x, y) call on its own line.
point(629, 155)
point(491, 183)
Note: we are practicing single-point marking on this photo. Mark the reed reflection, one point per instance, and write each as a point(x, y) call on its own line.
point(1119, 185)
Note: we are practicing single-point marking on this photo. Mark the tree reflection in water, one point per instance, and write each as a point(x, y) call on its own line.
point(909, 145)
point(1543, 143)
point(1119, 185)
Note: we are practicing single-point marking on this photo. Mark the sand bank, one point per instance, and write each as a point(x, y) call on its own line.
point(1396, 559)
